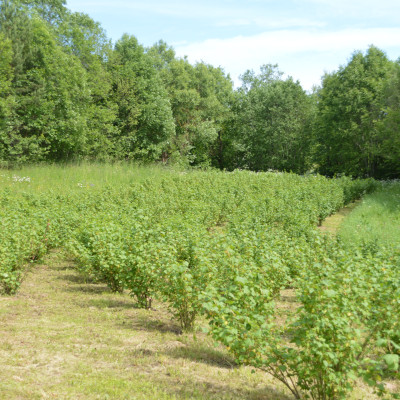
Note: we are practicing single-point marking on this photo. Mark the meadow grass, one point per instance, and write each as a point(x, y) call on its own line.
point(94, 175)
point(376, 221)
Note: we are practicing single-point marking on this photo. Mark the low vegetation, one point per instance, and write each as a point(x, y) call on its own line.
point(375, 223)
point(223, 248)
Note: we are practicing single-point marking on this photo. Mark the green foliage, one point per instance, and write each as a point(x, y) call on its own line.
point(5, 66)
point(388, 127)
point(271, 123)
point(68, 94)
point(351, 112)
point(6, 75)
point(30, 226)
point(225, 245)
point(348, 302)
point(200, 98)
point(46, 119)
point(144, 113)
point(52, 11)
point(84, 38)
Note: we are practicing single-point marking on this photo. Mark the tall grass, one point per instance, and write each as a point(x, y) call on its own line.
point(63, 178)
point(376, 222)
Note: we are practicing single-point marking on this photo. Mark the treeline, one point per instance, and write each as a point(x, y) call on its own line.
point(67, 93)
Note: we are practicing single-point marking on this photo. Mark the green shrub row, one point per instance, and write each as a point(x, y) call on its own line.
point(224, 245)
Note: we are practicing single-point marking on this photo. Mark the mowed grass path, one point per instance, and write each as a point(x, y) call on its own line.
point(64, 338)
point(332, 223)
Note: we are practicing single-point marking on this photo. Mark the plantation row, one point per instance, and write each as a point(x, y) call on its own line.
point(224, 245)
point(36, 219)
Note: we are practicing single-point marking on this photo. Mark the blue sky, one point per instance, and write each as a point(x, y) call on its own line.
point(304, 37)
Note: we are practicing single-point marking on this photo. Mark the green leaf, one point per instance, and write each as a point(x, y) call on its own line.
point(392, 361)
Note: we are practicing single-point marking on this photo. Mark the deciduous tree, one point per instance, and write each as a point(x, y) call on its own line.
point(351, 113)
point(271, 127)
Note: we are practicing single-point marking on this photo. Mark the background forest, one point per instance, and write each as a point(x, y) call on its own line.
point(67, 93)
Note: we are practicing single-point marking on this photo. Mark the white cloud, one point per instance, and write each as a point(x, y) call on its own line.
point(295, 32)
point(302, 53)
point(357, 8)
point(271, 23)
point(175, 8)
point(386, 5)
point(236, 10)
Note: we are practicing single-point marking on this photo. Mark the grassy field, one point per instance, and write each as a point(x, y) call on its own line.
point(376, 221)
